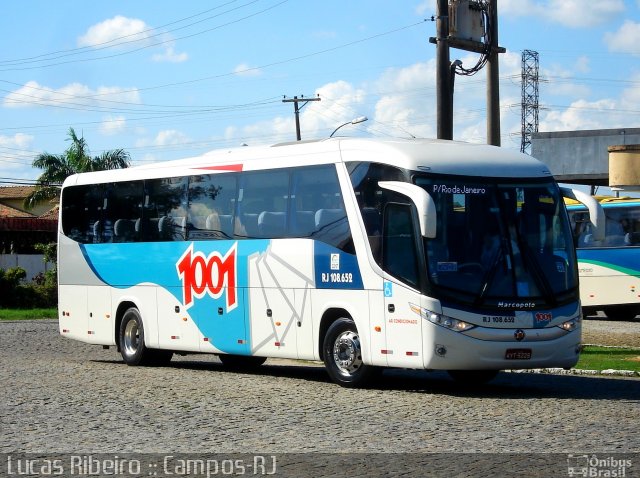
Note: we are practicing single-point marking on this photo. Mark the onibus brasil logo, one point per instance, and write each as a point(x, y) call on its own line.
point(212, 274)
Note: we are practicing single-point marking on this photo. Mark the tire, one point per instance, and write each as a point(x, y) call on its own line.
point(241, 362)
point(342, 354)
point(473, 377)
point(131, 342)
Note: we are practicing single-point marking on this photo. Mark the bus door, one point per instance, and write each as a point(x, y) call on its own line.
point(401, 264)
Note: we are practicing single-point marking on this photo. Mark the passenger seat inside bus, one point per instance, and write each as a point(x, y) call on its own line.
point(632, 238)
point(171, 228)
point(303, 223)
point(325, 217)
point(222, 223)
point(124, 230)
point(272, 224)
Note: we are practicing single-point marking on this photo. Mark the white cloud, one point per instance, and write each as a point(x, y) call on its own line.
point(112, 125)
point(558, 80)
point(582, 65)
point(73, 95)
point(118, 29)
point(407, 102)
point(426, 7)
point(402, 102)
point(243, 69)
point(626, 39)
point(580, 115)
point(170, 137)
point(164, 138)
point(18, 140)
point(278, 129)
point(16, 157)
point(340, 102)
point(170, 55)
point(570, 13)
point(122, 32)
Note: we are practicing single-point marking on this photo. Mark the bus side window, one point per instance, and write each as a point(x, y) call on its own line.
point(211, 206)
point(82, 213)
point(317, 207)
point(262, 204)
point(123, 208)
point(165, 209)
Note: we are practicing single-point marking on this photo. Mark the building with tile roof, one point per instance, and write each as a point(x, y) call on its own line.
point(21, 229)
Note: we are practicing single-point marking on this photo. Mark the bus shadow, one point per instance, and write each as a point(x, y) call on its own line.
point(507, 385)
point(523, 385)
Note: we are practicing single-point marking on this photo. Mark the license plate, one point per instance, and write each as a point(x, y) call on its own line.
point(517, 354)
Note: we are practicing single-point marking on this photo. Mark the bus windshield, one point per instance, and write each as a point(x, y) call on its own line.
point(498, 242)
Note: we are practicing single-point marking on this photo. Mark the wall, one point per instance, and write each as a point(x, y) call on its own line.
point(580, 156)
point(32, 263)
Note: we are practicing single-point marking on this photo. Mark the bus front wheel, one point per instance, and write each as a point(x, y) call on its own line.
point(131, 341)
point(342, 354)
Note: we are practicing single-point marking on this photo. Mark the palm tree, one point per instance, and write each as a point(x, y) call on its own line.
point(76, 159)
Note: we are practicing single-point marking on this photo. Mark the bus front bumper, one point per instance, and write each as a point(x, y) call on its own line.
point(484, 348)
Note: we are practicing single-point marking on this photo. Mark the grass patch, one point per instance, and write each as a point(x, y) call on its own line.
point(604, 358)
point(28, 314)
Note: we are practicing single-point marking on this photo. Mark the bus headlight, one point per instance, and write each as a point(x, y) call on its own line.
point(570, 325)
point(442, 320)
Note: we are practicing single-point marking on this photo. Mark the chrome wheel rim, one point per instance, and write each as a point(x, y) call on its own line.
point(347, 354)
point(131, 338)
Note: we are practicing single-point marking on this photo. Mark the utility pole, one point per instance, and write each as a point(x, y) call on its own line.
point(295, 100)
point(493, 74)
point(462, 24)
point(444, 90)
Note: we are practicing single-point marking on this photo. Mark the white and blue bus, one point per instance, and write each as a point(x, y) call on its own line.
point(361, 253)
point(609, 262)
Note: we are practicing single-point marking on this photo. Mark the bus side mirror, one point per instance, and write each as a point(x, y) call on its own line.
point(422, 200)
point(596, 213)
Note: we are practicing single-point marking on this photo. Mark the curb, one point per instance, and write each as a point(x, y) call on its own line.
point(577, 371)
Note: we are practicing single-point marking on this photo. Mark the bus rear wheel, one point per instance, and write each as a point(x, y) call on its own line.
point(342, 352)
point(473, 377)
point(131, 342)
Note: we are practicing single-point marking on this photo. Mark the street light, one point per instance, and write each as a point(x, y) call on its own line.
point(359, 119)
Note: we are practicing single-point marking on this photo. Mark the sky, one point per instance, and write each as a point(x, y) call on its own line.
point(166, 80)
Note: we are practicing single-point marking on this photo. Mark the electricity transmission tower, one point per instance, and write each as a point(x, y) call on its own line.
point(530, 98)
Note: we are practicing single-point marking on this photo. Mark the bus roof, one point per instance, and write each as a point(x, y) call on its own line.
point(428, 155)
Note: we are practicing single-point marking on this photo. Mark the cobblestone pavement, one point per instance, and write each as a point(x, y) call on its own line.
point(63, 396)
point(598, 330)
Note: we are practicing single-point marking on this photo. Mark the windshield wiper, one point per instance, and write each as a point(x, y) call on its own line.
point(536, 271)
point(488, 277)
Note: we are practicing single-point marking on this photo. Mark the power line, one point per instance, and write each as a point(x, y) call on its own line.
point(78, 50)
point(172, 40)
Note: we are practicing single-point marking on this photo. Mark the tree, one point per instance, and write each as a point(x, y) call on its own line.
point(76, 159)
